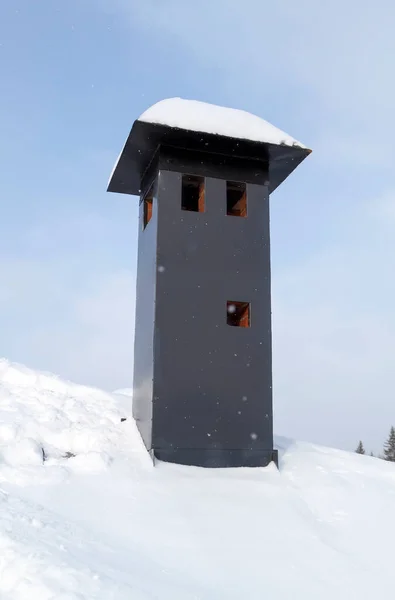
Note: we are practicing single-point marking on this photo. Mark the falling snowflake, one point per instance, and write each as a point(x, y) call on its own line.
point(254, 436)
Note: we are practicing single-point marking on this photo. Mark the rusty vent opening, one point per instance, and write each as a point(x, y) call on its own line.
point(236, 199)
point(192, 193)
point(238, 314)
point(148, 205)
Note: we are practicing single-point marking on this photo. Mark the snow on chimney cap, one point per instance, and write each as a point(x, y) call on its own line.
point(192, 115)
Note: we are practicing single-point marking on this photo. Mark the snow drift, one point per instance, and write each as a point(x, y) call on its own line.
point(85, 515)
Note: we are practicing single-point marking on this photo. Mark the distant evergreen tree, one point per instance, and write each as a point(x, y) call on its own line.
point(389, 446)
point(371, 454)
point(360, 449)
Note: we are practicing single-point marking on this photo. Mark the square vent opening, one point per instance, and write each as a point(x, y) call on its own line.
point(238, 314)
point(236, 199)
point(192, 197)
point(148, 206)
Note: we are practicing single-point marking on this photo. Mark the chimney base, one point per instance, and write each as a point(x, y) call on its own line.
point(217, 458)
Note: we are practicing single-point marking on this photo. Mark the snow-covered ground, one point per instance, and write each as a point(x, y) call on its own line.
point(95, 519)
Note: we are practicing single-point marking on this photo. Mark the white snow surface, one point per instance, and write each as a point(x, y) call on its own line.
point(105, 524)
point(193, 115)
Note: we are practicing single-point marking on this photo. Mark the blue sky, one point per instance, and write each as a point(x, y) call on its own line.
point(75, 75)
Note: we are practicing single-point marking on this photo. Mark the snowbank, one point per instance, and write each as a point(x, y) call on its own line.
point(46, 420)
point(105, 524)
point(209, 118)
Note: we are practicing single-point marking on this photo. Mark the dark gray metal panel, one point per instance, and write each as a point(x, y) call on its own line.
point(213, 383)
point(145, 322)
point(207, 164)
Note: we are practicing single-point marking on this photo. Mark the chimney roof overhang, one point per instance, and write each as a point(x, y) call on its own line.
point(151, 131)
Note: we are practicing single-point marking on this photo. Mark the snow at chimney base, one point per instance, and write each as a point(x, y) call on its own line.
point(192, 115)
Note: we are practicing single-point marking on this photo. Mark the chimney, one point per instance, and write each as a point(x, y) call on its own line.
point(203, 346)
